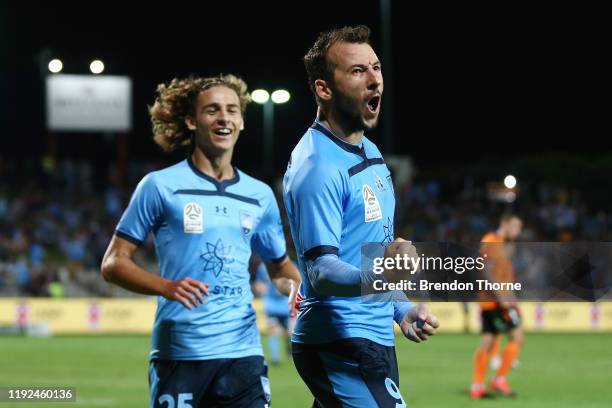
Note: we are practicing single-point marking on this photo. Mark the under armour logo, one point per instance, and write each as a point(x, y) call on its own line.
point(221, 210)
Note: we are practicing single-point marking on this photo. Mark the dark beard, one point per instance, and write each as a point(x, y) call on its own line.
point(349, 114)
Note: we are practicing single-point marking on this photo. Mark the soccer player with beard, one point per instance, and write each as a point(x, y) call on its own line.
point(206, 217)
point(338, 194)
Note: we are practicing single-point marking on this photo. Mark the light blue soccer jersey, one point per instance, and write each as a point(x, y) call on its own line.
point(275, 303)
point(205, 229)
point(338, 196)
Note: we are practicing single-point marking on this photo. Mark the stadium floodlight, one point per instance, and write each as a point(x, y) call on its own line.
point(260, 96)
point(510, 181)
point(263, 97)
point(280, 96)
point(96, 67)
point(55, 65)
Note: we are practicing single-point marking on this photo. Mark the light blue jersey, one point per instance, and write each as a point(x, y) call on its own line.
point(338, 196)
point(275, 303)
point(205, 229)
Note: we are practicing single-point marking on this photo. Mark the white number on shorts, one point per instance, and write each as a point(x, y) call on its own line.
point(182, 400)
point(395, 393)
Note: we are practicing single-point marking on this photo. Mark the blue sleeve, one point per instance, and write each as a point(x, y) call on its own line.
point(269, 239)
point(143, 212)
point(317, 197)
point(331, 276)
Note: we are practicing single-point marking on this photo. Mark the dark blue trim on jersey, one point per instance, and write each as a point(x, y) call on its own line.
point(219, 185)
point(364, 165)
point(221, 193)
point(315, 252)
point(249, 200)
point(277, 260)
point(128, 237)
point(351, 148)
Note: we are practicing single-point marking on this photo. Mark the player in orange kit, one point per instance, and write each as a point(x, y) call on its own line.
point(499, 311)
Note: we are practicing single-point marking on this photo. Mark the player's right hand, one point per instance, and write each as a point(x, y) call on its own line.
point(187, 291)
point(400, 247)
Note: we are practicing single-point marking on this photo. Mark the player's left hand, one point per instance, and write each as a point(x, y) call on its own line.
point(293, 299)
point(419, 323)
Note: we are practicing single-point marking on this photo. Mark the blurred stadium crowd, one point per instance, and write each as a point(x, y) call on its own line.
point(55, 223)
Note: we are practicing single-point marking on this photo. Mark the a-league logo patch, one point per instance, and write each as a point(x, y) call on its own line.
point(246, 222)
point(371, 205)
point(193, 219)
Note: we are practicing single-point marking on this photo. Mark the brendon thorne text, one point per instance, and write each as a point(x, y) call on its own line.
point(454, 286)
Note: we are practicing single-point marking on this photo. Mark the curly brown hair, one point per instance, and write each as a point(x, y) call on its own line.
point(177, 100)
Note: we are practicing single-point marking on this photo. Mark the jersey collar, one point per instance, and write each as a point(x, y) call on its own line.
point(219, 185)
point(351, 148)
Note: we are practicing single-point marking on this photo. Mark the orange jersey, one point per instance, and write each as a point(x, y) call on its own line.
point(502, 269)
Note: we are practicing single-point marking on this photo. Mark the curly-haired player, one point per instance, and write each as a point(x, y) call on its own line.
point(206, 216)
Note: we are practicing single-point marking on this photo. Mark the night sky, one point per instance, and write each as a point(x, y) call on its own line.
point(497, 79)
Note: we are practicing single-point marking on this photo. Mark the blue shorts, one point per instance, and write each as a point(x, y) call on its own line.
point(227, 382)
point(353, 372)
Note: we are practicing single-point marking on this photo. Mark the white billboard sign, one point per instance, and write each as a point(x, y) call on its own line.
point(89, 103)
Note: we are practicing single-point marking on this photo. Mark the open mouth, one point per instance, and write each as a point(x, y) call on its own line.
point(222, 131)
point(373, 103)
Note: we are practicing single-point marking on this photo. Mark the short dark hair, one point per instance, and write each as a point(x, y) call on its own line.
point(315, 59)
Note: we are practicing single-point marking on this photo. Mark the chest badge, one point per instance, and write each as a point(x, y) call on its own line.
point(371, 205)
point(193, 219)
point(379, 183)
point(246, 222)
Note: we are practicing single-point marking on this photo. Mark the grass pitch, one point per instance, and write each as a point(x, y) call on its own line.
point(557, 370)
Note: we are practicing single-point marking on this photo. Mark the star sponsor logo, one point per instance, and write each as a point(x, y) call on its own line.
point(388, 231)
point(216, 257)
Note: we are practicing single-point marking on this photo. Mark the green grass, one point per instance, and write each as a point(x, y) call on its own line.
point(557, 370)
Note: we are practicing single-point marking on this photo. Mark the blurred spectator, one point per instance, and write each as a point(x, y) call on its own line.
point(54, 228)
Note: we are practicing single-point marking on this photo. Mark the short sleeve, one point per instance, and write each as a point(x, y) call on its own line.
point(318, 196)
point(269, 239)
point(143, 212)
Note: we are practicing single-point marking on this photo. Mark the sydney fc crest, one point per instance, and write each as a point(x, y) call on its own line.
point(379, 183)
point(246, 222)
